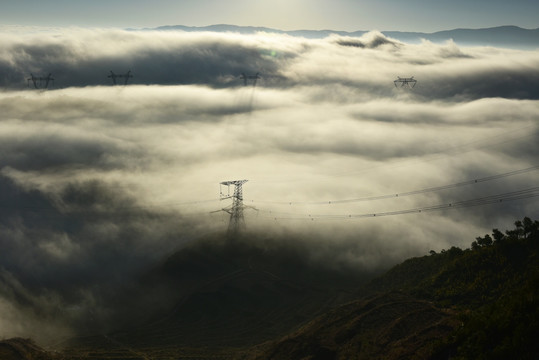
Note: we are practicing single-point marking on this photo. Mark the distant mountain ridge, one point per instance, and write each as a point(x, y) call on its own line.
point(505, 36)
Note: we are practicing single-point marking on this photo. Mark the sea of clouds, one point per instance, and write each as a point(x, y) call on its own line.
point(100, 182)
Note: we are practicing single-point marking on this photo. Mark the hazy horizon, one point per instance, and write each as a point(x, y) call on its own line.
point(415, 15)
point(51, 29)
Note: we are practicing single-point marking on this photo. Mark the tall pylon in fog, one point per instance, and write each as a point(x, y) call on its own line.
point(236, 222)
point(408, 83)
point(245, 78)
point(40, 82)
point(114, 76)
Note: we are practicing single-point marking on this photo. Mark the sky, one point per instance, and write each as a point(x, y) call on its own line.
point(99, 183)
point(346, 15)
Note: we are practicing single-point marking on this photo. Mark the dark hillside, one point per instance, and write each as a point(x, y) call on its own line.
point(234, 292)
point(228, 295)
point(390, 326)
point(479, 303)
point(23, 349)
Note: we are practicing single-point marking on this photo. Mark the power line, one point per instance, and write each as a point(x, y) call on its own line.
point(329, 202)
point(408, 193)
point(492, 199)
point(276, 215)
point(120, 210)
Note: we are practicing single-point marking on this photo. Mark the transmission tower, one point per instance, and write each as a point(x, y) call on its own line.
point(245, 78)
point(114, 76)
point(405, 82)
point(40, 82)
point(236, 222)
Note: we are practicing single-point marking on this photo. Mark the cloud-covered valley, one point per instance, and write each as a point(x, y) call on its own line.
point(100, 182)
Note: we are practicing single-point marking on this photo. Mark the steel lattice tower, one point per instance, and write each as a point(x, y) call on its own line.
point(408, 83)
point(236, 222)
point(40, 82)
point(114, 76)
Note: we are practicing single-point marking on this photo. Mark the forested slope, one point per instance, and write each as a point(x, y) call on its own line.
point(478, 303)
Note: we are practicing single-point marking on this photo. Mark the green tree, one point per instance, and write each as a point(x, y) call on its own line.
point(497, 235)
point(482, 241)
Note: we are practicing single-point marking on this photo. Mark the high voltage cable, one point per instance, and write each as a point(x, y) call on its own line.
point(486, 200)
point(371, 198)
point(408, 193)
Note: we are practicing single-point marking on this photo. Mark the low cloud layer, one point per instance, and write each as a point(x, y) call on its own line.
point(86, 57)
point(99, 183)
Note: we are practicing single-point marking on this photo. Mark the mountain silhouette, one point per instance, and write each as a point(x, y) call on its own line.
point(500, 36)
